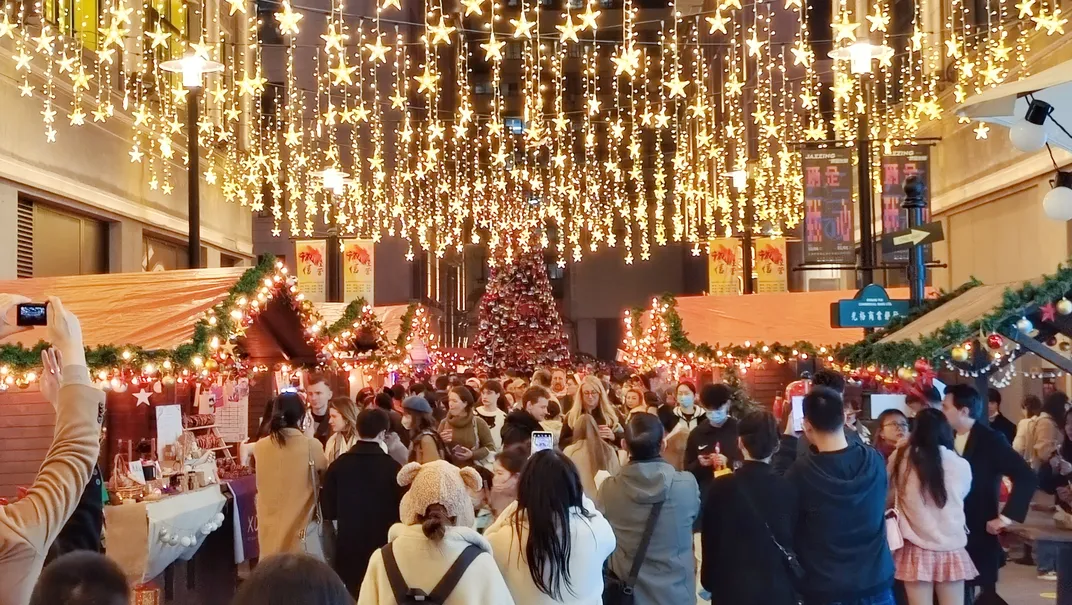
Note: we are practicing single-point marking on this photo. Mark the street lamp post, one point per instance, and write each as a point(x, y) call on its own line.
point(193, 67)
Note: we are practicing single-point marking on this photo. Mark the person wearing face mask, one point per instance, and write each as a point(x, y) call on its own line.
point(684, 414)
point(362, 521)
point(491, 410)
point(713, 444)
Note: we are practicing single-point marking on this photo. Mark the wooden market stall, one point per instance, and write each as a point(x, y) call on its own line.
point(169, 348)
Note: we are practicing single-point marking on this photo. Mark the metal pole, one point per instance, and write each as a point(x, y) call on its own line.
point(863, 180)
point(917, 271)
point(194, 178)
point(334, 263)
point(746, 242)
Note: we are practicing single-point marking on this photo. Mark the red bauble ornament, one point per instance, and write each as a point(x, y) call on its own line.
point(994, 341)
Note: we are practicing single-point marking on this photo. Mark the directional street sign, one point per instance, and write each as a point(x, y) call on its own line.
point(870, 308)
point(916, 236)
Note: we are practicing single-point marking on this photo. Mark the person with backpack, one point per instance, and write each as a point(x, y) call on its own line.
point(434, 557)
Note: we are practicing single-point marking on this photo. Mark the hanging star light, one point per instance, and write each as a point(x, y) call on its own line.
point(844, 29)
point(288, 19)
point(568, 31)
point(441, 32)
point(523, 27)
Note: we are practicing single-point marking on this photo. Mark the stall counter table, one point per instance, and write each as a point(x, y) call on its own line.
point(136, 533)
point(1040, 528)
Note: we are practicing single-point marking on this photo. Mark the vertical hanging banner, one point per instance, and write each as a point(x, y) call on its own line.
point(829, 237)
point(901, 162)
point(723, 266)
point(771, 265)
point(312, 258)
point(359, 270)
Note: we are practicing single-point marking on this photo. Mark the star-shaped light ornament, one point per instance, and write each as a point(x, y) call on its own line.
point(158, 36)
point(44, 42)
point(493, 48)
point(237, 6)
point(427, 80)
point(389, 3)
point(1026, 8)
point(844, 29)
point(801, 54)
point(26, 89)
point(676, 86)
point(378, 51)
point(567, 31)
point(1001, 51)
point(7, 27)
point(588, 18)
point(441, 32)
point(755, 45)
point(143, 397)
point(878, 22)
point(952, 47)
point(473, 7)
point(398, 101)
point(627, 61)
point(981, 131)
point(815, 133)
point(734, 86)
point(523, 27)
point(288, 19)
point(717, 22)
point(202, 49)
point(333, 39)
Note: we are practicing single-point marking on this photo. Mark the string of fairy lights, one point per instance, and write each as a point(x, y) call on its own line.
point(573, 129)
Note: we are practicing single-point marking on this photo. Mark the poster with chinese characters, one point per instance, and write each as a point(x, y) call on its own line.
point(312, 258)
point(232, 416)
point(723, 266)
point(771, 271)
point(899, 163)
point(829, 237)
point(359, 269)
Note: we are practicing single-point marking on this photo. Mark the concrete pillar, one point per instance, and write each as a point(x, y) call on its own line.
point(9, 237)
point(126, 247)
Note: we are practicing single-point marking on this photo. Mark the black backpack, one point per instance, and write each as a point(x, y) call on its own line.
point(405, 595)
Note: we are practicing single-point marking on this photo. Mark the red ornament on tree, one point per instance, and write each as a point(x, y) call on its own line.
point(520, 324)
point(1048, 312)
point(994, 341)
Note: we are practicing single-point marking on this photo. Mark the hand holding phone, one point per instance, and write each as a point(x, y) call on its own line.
point(541, 440)
point(462, 453)
point(31, 314)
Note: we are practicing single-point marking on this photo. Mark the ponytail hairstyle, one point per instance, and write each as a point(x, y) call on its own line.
point(547, 491)
point(287, 413)
point(932, 431)
point(434, 522)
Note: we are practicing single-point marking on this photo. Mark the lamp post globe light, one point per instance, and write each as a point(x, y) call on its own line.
point(193, 67)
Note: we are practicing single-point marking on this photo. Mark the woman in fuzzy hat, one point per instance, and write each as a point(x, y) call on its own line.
point(435, 534)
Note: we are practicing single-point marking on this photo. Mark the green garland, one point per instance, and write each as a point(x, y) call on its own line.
point(1015, 303)
point(350, 314)
point(21, 359)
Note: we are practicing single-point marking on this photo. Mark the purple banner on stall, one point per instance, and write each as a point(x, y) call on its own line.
point(245, 501)
point(829, 238)
point(901, 162)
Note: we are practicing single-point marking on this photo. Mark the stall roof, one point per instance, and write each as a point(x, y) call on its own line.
point(390, 316)
point(966, 308)
point(155, 310)
point(783, 317)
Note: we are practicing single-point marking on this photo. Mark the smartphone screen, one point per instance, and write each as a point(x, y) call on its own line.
point(542, 440)
point(32, 314)
point(798, 413)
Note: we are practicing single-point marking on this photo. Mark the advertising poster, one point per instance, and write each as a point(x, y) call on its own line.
point(829, 237)
point(359, 270)
point(771, 265)
point(901, 162)
point(723, 266)
point(312, 258)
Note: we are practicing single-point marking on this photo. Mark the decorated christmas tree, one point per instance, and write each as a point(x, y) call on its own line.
point(520, 327)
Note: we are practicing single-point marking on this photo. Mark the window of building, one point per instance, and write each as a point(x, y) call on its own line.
point(77, 18)
point(84, 248)
point(159, 254)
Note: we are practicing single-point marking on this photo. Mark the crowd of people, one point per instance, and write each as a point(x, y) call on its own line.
point(444, 491)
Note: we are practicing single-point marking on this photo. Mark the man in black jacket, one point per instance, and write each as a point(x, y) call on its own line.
point(991, 458)
point(361, 492)
point(841, 531)
point(712, 445)
point(519, 425)
point(998, 421)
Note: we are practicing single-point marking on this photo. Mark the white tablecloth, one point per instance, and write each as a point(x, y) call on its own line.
point(134, 531)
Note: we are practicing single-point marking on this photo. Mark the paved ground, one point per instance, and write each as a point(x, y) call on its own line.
point(1019, 586)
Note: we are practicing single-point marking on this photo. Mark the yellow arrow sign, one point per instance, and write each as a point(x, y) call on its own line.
point(913, 237)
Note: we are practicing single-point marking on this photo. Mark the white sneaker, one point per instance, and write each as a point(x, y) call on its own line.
point(1049, 576)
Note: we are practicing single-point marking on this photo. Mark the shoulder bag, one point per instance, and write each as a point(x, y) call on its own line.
point(894, 537)
point(620, 592)
point(318, 537)
point(404, 595)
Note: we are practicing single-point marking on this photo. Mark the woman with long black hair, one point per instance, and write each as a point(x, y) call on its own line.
point(286, 460)
point(928, 484)
point(552, 542)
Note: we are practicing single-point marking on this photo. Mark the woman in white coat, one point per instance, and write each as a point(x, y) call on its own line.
point(542, 564)
point(435, 532)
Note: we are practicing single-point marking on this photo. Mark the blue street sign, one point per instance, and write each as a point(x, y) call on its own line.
point(871, 308)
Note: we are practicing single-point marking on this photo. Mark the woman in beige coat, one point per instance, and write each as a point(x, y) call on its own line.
point(591, 454)
point(286, 461)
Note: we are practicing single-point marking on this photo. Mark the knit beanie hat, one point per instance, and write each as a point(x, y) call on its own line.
point(438, 482)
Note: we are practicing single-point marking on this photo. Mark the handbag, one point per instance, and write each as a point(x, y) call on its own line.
point(893, 523)
point(792, 562)
point(318, 537)
point(620, 592)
